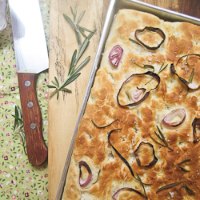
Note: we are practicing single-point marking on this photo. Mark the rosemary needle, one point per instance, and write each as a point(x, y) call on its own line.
point(18, 126)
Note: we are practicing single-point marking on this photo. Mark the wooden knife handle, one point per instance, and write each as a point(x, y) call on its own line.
point(32, 119)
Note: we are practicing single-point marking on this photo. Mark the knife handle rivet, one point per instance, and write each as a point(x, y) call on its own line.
point(27, 83)
point(33, 126)
point(30, 104)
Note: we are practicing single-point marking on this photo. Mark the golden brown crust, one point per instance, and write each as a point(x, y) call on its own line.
point(139, 124)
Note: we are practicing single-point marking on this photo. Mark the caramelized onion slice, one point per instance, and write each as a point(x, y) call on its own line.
point(127, 189)
point(174, 118)
point(103, 126)
point(187, 70)
point(115, 55)
point(84, 182)
point(145, 155)
point(196, 130)
point(118, 153)
point(137, 88)
point(138, 32)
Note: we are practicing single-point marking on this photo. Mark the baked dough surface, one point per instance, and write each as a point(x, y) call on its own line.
point(139, 123)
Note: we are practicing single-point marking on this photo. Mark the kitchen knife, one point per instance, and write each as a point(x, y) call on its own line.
point(31, 59)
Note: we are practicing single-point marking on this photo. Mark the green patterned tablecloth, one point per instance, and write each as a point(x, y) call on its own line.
point(18, 179)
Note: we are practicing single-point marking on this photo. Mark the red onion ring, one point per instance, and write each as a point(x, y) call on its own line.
point(138, 94)
point(154, 158)
point(168, 119)
point(115, 55)
point(150, 29)
point(84, 183)
point(146, 93)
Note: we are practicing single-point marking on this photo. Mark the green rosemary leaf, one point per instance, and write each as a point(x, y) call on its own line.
point(82, 49)
point(16, 111)
point(160, 133)
point(191, 76)
point(70, 22)
point(73, 13)
point(70, 79)
point(73, 26)
point(54, 83)
point(54, 92)
point(188, 190)
point(57, 95)
point(51, 86)
point(83, 64)
point(66, 90)
point(91, 34)
point(18, 125)
point(56, 80)
point(169, 186)
point(162, 68)
point(22, 136)
point(18, 122)
point(72, 64)
point(15, 116)
point(163, 145)
point(162, 139)
point(80, 17)
point(82, 32)
point(15, 123)
point(85, 29)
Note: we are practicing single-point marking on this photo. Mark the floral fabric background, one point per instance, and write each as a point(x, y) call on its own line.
point(18, 179)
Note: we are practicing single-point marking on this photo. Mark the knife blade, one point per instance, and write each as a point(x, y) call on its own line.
point(31, 58)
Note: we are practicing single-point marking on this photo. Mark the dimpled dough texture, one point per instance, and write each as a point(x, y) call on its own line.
point(139, 123)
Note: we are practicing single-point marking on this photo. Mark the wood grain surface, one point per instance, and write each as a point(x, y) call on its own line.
point(64, 111)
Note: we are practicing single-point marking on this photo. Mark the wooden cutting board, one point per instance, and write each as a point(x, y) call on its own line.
point(63, 111)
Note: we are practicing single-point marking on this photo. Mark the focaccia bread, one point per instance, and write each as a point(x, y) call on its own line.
point(139, 136)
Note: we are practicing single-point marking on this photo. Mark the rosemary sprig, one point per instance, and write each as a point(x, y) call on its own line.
point(169, 186)
point(18, 126)
point(75, 65)
point(76, 27)
point(74, 23)
point(162, 141)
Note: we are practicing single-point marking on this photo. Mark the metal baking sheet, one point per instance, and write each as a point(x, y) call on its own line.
point(114, 7)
